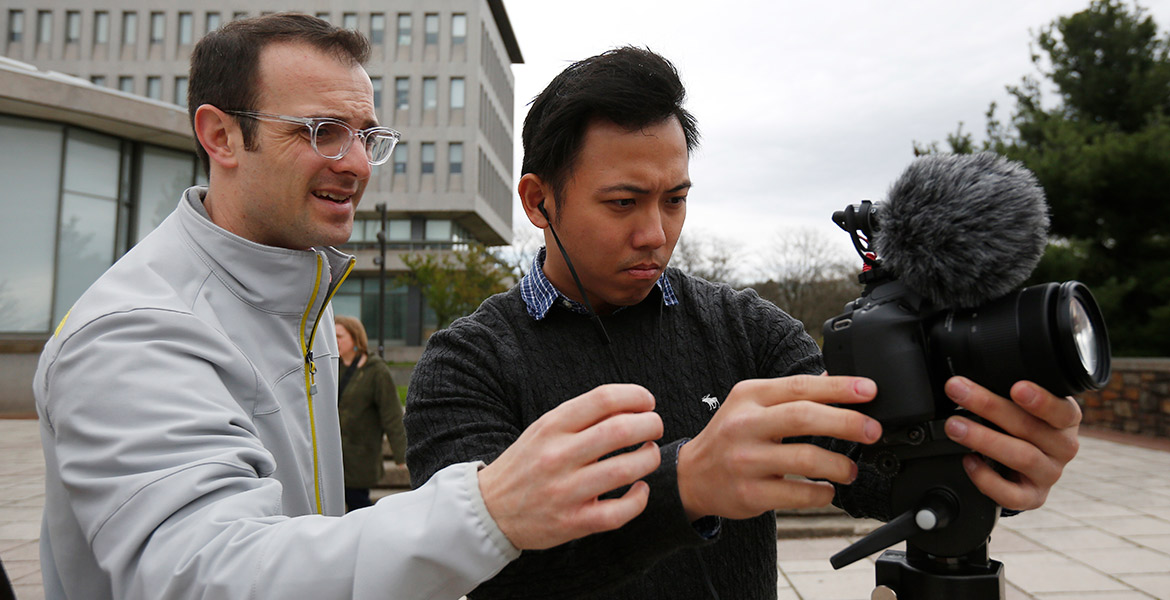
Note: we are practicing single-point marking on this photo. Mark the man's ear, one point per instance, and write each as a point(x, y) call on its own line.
point(219, 135)
point(534, 195)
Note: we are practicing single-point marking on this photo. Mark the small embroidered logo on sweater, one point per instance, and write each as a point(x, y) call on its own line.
point(710, 401)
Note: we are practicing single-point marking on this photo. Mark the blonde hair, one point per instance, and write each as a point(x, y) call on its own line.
point(361, 342)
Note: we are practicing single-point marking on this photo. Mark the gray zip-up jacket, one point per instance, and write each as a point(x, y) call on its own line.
point(188, 413)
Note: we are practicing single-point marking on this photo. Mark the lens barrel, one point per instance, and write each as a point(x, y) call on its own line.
point(1052, 334)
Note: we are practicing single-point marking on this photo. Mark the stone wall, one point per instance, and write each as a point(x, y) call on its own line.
point(1137, 399)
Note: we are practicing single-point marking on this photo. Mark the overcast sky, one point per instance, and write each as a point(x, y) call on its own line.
point(804, 107)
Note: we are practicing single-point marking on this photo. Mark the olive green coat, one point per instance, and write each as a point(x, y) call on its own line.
point(368, 408)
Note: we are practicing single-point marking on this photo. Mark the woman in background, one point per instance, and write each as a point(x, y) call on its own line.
point(368, 406)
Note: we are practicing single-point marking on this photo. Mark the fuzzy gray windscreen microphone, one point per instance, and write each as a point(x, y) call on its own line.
point(963, 229)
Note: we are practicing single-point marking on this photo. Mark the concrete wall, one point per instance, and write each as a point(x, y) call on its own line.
point(1137, 399)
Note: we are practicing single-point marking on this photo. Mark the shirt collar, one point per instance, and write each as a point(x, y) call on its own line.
point(540, 294)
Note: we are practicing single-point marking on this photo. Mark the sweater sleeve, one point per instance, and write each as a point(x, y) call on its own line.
point(461, 407)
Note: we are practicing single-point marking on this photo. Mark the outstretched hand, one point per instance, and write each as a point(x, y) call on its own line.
point(543, 490)
point(1039, 438)
point(736, 466)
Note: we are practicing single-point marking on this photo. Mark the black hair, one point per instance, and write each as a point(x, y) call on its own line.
point(225, 62)
point(632, 87)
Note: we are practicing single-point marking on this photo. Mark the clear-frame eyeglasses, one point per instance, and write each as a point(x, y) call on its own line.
point(332, 138)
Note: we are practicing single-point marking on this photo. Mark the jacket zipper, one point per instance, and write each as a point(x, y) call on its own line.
point(311, 367)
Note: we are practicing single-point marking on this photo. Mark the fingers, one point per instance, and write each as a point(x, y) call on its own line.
point(607, 515)
point(616, 471)
point(815, 388)
point(596, 405)
point(806, 460)
point(1043, 420)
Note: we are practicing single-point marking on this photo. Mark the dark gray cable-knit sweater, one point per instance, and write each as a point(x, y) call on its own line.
point(483, 380)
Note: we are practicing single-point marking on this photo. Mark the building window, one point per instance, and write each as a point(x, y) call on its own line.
point(458, 93)
point(324, 16)
point(438, 230)
point(181, 91)
point(44, 26)
point(402, 93)
point(15, 25)
point(101, 27)
point(400, 154)
point(126, 84)
point(213, 21)
point(455, 157)
point(154, 87)
point(403, 29)
point(98, 80)
point(428, 157)
point(349, 21)
point(377, 83)
point(129, 28)
point(377, 28)
point(158, 27)
point(431, 28)
point(186, 28)
point(72, 26)
point(430, 93)
point(239, 14)
point(163, 176)
point(458, 29)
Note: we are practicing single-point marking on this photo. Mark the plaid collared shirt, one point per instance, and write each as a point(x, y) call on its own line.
point(539, 294)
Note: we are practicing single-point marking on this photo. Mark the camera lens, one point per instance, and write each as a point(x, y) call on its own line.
point(1052, 334)
point(1084, 335)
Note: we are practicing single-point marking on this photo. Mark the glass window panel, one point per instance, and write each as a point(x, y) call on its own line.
point(72, 26)
point(15, 25)
point(458, 92)
point(101, 27)
point(154, 87)
point(129, 28)
point(428, 157)
point(92, 161)
point(158, 27)
point(181, 91)
point(44, 26)
point(455, 154)
point(400, 157)
point(349, 21)
point(346, 304)
point(186, 27)
point(324, 16)
point(377, 28)
point(402, 93)
point(85, 247)
point(404, 24)
point(126, 84)
point(377, 83)
point(430, 93)
point(431, 28)
point(164, 175)
point(399, 230)
point(98, 80)
point(239, 14)
point(458, 29)
point(29, 227)
point(213, 21)
point(438, 230)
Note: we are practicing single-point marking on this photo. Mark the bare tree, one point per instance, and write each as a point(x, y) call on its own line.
point(526, 242)
point(803, 275)
point(707, 256)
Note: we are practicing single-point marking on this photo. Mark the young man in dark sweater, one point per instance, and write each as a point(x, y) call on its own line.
point(607, 146)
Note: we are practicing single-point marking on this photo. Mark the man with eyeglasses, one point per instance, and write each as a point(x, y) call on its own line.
point(188, 401)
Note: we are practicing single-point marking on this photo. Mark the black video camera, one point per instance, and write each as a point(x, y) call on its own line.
point(1052, 334)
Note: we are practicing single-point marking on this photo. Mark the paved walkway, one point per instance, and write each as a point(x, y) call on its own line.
point(1103, 535)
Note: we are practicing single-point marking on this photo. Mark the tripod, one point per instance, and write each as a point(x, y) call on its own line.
point(944, 519)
